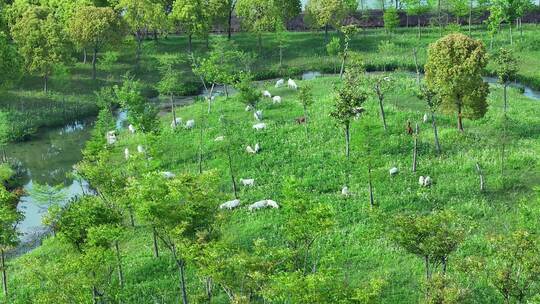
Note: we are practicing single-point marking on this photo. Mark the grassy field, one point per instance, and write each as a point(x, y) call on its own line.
point(358, 247)
point(73, 89)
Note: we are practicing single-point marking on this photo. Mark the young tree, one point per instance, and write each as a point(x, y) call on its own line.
point(348, 32)
point(496, 17)
point(94, 28)
point(9, 235)
point(417, 8)
point(433, 102)
point(182, 213)
point(349, 99)
point(391, 20)
point(515, 266)
point(138, 15)
point(381, 85)
point(333, 48)
point(247, 93)
point(507, 68)
point(282, 39)
point(305, 96)
point(432, 237)
point(171, 81)
point(454, 71)
point(193, 18)
point(326, 13)
point(41, 42)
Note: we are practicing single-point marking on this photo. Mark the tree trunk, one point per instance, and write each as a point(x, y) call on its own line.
point(231, 171)
point(326, 33)
point(229, 25)
point(419, 29)
point(155, 36)
point(181, 271)
point(190, 43)
point(84, 56)
point(511, 37)
point(381, 106)
point(370, 188)
point(460, 119)
point(4, 273)
point(426, 262)
point(119, 261)
point(347, 140)
point(155, 242)
point(306, 122)
point(131, 218)
point(94, 62)
point(342, 70)
point(505, 97)
point(470, 17)
point(46, 82)
point(435, 134)
point(439, 18)
point(139, 49)
point(481, 175)
point(173, 110)
point(415, 149)
point(415, 55)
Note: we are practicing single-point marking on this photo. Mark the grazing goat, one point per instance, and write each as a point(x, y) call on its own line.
point(276, 99)
point(425, 181)
point(220, 138)
point(259, 126)
point(176, 122)
point(131, 129)
point(394, 171)
point(258, 115)
point(345, 191)
point(250, 182)
point(267, 94)
point(292, 84)
point(168, 175)
point(126, 153)
point(140, 149)
point(263, 204)
point(253, 150)
point(230, 205)
point(190, 124)
point(425, 118)
point(249, 108)
point(280, 83)
point(111, 137)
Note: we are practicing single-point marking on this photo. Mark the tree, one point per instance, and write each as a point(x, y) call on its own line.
point(9, 235)
point(182, 213)
point(141, 114)
point(348, 32)
point(454, 71)
point(513, 11)
point(41, 42)
point(507, 68)
point(138, 15)
point(305, 96)
point(192, 17)
point(496, 17)
point(10, 63)
point(417, 8)
point(171, 81)
point(349, 97)
point(94, 28)
point(332, 48)
point(381, 85)
point(432, 237)
point(282, 40)
point(247, 93)
point(515, 267)
point(391, 20)
point(433, 102)
point(326, 13)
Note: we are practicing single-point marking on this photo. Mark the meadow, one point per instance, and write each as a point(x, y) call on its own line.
point(357, 250)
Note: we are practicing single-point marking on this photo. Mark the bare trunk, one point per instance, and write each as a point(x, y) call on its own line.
point(181, 271)
point(460, 119)
point(511, 37)
point(415, 149)
point(84, 56)
point(131, 218)
point(381, 106)
point(4, 274)
point(231, 172)
point(481, 175)
point(370, 186)
point(119, 262)
point(470, 17)
point(94, 62)
point(229, 25)
point(46, 82)
point(155, 242)
point(415, 55)
point(505, 98)
point(435, 134)
point(173, 109)
point(347, 140)
point(190, 43)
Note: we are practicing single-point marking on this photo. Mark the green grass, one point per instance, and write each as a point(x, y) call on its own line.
point(359, 246)
point(306, 52)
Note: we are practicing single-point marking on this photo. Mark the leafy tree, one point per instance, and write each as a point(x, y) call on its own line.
point(513, 10)
point(333, 48)
point(348, 32)
point(454, 71)
point(50, 197)
point(305, 96)
point(192, 17)
point(141, 114)
point(515, 267)
point(171, 80)
point(94, 28)
point(507, 68)
point(433, 102)
point(10, 63)
point(137, 14)
point(432, 237)
point(443, 289)
point(391, 20)
point(41, 42)
point(9, 236)
point(496, 17)
point(282, 40)
point(349, 99)
point(182, 211)
point(326, 13)
point(417, 8)
point(381, 85)
point(247, 93)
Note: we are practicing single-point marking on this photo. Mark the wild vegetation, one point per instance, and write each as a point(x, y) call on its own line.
point(373, 183)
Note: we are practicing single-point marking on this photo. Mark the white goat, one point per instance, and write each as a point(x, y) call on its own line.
point(176, 122)
point(292, 84)
point(250, 182)
point(220, 138)
point(111, 137)
point(258, 115)
point(394, 171)
point(259, 126)
point(425, 181)
point(126, 153)
point(190, 124)
point(267, 94)
point(425, 118)
point(263, 204)
point(168, 175)
point(140, 149)
point(249, 108)
point(345, 191)
point(131, 129)
point(280, 83)
point(230, 204)
point(253, 150)
point(276, 99)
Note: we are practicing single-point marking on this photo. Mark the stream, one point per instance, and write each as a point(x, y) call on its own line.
point(49, 158)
